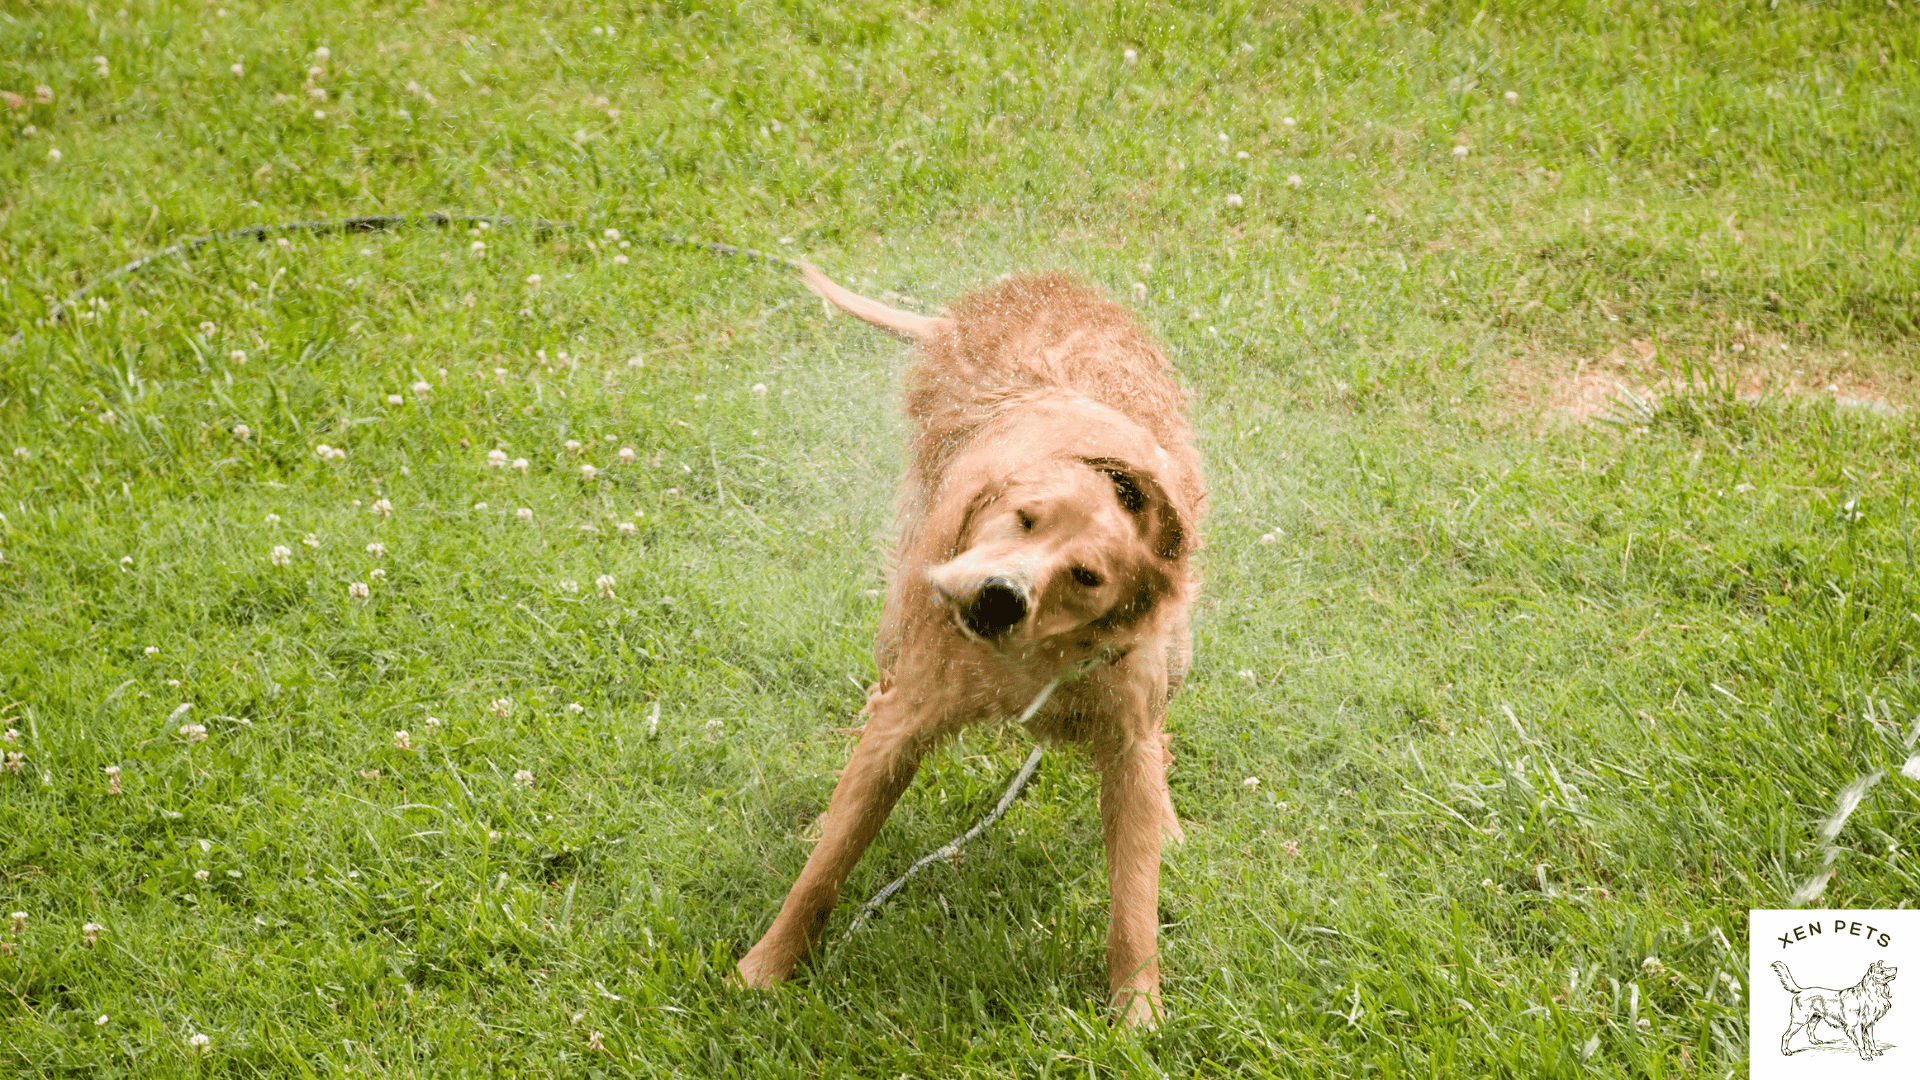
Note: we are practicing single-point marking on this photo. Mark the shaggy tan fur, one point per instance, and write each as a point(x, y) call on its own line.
point(1048, 514)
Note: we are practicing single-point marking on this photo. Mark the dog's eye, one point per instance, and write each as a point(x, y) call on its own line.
point(1025, 519)
point(1086, 577)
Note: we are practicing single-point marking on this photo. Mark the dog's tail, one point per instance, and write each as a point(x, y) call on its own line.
point(1786, 977)
point(904, 323)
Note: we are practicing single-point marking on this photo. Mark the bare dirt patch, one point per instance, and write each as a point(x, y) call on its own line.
point(1629, 382)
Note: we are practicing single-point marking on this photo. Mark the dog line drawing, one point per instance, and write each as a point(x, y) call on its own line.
point(1854, 1010)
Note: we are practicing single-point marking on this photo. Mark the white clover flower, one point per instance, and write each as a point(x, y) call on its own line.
point(478, 248)
point(113, 779)
point(324, 452)
point(611, 234)
point(89, 934)
point(533, 281)
point(19, 922)
point(500, 707)
point(237, 70)
point(54, 155)
point(311, 540)
point(322, 54)
point(523, 778)
point(1129, 57)
point(396, 399)
point(604, 584)
point(1235, 202)
point(318, 93)
point(422, 389)
point(1512, 96)
point(207, 328)
point(200, 1044)
point(568, 585)
point(588, 472)
point(626, 455)
point(1371, 219)
point(524, 513)
point(272, 520)
point(377, 549)
point(627, 528)
point(22, 453)
point(102, 1021)
point(15, 760)
point(1460, 153)
point(522, 465)
point(238, 356)
point(381, 508)
point(194, 733)
point(358, 590)
point(377, 574)
point(402, 740)
point(1287, 121)
point(496, 458)
point(1267, 538)
point(1242, 155)
point(576, 708)
point(620, 260)
point(1653, 967)
point(479, 506)
point(12, 735)
point(572, 446)
point(1139, 292)
point(1293, 180)
point(242, 432)
point(1250, 783)
point(151, 650)
point(433, 721)
point(281, 555)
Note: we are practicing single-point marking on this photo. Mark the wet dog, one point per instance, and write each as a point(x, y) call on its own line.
point(1048, 514)
point(1854, 1010)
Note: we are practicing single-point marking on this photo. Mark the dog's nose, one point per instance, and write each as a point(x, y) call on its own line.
point(997, 608)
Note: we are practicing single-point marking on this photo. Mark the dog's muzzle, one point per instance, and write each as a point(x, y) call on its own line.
point(998, 607)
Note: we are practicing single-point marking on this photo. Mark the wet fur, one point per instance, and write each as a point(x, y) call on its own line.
point(1039, 389)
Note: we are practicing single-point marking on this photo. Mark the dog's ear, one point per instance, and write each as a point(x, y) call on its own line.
point(980, 503)
point(1145, 497)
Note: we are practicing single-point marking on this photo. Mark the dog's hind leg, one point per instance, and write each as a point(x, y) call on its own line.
point(881, 768)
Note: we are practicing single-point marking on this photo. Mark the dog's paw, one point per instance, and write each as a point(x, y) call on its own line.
point(756, 972)
point(1138, 1010)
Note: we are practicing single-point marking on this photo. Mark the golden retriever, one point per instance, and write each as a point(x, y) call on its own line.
point(1048, 515)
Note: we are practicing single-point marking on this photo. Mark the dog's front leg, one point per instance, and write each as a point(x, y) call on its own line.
point(1132, 801)
point(881, 768)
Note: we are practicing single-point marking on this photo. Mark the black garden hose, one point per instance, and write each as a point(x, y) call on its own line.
point(375, 223)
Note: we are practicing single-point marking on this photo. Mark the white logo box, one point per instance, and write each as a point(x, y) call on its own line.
point(1858, 979)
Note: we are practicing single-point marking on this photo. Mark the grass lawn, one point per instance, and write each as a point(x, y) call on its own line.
point(1500, 719)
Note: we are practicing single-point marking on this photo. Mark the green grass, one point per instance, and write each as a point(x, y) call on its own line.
point(1527, 702)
